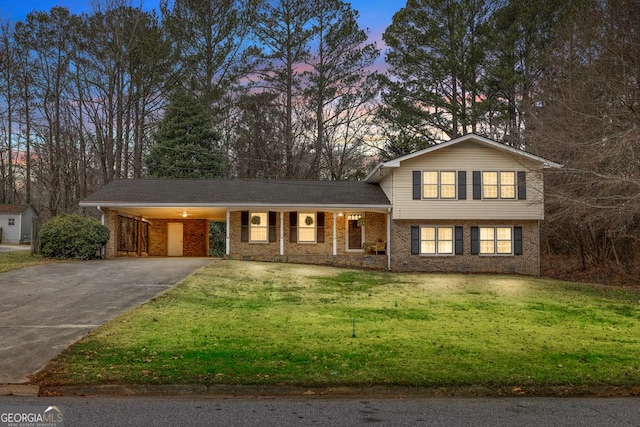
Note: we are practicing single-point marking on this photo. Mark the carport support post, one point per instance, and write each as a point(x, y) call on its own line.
point(335, 237)
point(139, 225)
point(281, 233)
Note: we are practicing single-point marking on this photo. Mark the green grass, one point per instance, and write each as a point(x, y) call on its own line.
point(251, 323)
point(19, 259)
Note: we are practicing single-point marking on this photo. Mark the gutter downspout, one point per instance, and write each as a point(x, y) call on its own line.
point(335, 237)
point(281, 233)
point(102, 212)
point(389, 239)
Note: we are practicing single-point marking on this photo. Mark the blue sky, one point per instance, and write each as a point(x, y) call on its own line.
point(374, 14)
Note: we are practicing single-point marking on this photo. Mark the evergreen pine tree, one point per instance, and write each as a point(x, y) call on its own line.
point(185, 144)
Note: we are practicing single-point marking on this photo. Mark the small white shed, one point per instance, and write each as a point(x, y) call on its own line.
point(15, 223)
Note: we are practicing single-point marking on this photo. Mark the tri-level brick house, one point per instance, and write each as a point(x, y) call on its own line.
point(467, 205)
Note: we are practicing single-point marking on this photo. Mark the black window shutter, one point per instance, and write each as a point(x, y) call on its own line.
point(517, 240)
point(477, 185)
point(522, 185)
point(475, 240)
point(415, 240)
point(272, 226)
point(417, 184)
point(293, 227)
point(459, 240)
point(462, 185)
point(244, 226)
point(320, 227)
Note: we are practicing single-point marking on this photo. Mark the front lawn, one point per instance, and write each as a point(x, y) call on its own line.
point(19, 259)
point(251, 323)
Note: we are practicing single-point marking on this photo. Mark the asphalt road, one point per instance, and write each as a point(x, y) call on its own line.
point(265, 412)
point(46, 308)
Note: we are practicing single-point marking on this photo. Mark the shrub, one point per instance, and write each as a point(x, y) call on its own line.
point(72, 236)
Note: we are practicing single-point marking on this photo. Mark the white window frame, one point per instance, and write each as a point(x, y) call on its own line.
point(499, 186)
point(439, 184)
point(260, 226)
point(302, 226)
point(11, 222)
point(437, 240)
point(495, 240)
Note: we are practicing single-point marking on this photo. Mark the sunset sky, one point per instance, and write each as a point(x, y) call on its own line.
point(374, 14)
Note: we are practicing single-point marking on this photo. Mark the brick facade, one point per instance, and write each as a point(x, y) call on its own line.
point(195, 237)
point(528, 263)
point(196, 243)
point(312, 253)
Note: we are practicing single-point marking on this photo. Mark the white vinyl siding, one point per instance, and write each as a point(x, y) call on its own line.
point(469, 157)
point(11, 225)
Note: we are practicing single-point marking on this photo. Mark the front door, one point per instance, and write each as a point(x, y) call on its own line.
point(354, 232)
point(174, 239)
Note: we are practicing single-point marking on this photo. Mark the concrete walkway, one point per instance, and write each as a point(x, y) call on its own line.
point(14, 248)
point(46, 308)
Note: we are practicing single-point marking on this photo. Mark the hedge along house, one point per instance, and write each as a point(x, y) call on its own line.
point(467, 205)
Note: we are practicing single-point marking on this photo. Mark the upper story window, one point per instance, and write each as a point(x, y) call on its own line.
point(438, 185)
point(11, 221)
point(258, 227)
point(499, 185)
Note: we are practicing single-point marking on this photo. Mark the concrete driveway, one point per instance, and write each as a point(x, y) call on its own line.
point(46, 308)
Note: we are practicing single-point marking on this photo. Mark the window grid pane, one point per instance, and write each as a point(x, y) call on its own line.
point(430, 191)
point(487, 247)
point(503, 240)
point(507, 185)
point(428, 240)
point(430, 185)
point(445, 247)
point(490, 185)
point(448, 191)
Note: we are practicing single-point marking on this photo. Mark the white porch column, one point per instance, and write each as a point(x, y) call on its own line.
point(282, 233)
point(228, 233)
point(335, 237)
point(388, 239)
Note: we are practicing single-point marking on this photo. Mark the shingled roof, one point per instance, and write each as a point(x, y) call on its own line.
point(237, 192)
point(11, 209)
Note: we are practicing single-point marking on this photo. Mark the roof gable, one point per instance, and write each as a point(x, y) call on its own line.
point(374, 177)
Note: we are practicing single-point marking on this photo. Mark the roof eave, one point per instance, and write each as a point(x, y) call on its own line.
point(235, 206)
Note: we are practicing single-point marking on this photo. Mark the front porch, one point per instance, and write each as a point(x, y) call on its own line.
point(337, 237)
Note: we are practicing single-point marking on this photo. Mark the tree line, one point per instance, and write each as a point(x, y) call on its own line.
point(287, 89)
